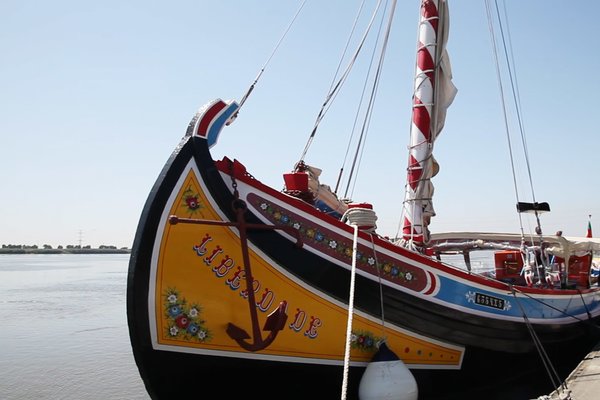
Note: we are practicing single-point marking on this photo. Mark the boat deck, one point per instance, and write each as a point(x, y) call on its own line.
point(584, 381)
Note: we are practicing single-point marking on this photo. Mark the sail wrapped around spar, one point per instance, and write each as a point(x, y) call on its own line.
point(433, 94)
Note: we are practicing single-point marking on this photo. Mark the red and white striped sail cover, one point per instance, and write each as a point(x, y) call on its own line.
point(433, 94)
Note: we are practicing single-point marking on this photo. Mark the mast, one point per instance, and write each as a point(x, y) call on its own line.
point(433, 93)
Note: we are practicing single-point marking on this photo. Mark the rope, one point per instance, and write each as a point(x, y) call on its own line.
point(380, 286)
point(504, 41)
point(587, 321)
point(251, 88)
point(368, 110)
point(350, 313)
point(360, 218)
point(363, 217)
point(552, 374)
point(587, 311)
point(335, 88)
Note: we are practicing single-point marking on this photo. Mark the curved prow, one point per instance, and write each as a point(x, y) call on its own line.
point(211, 118)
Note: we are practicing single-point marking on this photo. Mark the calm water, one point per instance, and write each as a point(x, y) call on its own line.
point(63, 332)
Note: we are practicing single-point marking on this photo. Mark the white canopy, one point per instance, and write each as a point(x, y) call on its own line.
point(557, 245)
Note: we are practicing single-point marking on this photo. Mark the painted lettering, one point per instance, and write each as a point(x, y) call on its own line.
point(218, 250)
point(299, 320)
point(311, 332)
point(266, 300)
point(236, 280)
point(223, 267)
point(255, 287)
point(200, 249)
point(489, 301)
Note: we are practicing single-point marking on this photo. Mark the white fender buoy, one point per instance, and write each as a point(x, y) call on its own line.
point(387, 378)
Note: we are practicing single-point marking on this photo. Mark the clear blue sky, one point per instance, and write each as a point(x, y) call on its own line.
point(94, 96)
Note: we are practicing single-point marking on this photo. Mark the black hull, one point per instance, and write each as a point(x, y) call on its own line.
point(510, 377)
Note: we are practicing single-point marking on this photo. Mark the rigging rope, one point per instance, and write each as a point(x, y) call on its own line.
point(552, 374)
point(510, 64)
point(375, 86)
point(252, 86)
point(503, 102)
point(334, 91)
point(380, 281)
point(587, 321)
point(356, 116)
point(512, 78)
point(587, 311)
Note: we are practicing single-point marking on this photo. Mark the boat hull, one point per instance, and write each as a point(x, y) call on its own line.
point(195, 326)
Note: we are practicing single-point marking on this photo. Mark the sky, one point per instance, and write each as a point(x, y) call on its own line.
point(94, 97)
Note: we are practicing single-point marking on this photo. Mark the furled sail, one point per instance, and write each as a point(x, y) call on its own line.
point(433, 94)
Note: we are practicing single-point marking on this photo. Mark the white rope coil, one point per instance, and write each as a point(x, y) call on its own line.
point(364, 218)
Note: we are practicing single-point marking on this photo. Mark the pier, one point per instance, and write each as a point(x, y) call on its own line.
point(584, 381)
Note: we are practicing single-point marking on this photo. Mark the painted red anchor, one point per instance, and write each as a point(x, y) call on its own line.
point(277, 319)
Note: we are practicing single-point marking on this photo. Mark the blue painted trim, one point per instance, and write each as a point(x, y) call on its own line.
point(218, 124)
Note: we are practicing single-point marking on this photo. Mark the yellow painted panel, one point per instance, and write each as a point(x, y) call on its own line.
point(200, 289)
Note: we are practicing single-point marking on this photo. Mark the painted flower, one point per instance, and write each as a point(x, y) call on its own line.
point(296, 225)
point(319, 236)
point(192, 202)
point(193, 328)
point(371, 261)
point(182, 321)
point(175, 310)
point(310, 233)
point(408, 276)
point(387, 268)
point(284, 219)
point(364, 341)
point(395, 271)
point(264, 206)
point(332, 244)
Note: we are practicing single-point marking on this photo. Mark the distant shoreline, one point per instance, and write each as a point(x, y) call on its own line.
point(64, 251)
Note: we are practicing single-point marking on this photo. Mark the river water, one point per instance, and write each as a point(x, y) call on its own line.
point(63, 332)
point(63, 328)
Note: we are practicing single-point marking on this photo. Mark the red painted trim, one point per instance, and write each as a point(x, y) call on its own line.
point(433, 283)
point(424, 261)
point(208, 117)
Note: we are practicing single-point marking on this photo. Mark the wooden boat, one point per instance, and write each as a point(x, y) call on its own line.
point(239, 289)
